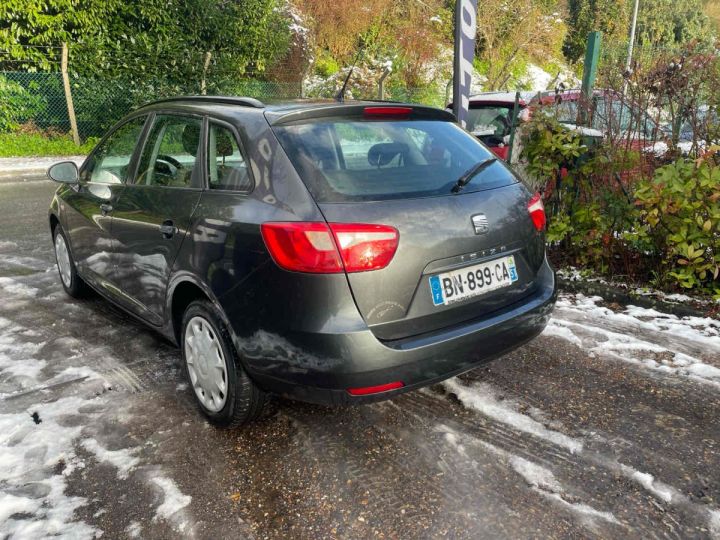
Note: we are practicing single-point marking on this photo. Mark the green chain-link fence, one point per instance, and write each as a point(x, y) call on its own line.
point(38, 99)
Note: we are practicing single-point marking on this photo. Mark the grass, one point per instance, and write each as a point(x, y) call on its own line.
point(35, 144)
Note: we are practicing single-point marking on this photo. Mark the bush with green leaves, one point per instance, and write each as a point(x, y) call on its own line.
point(680, 218)
point(16, 104)
point(586, 212)
point(664, 228)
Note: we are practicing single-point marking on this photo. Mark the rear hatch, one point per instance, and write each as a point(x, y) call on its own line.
point(460, 255)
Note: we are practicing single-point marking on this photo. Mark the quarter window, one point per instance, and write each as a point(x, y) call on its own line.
point(110, 163)
point(227, 166)
point(170, 153)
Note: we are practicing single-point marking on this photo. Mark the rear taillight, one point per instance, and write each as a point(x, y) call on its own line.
point(322, 248)
point(365, 247)
point(537, 212)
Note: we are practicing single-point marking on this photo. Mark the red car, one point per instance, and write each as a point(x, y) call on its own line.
point(490, 117)
point(609, 113)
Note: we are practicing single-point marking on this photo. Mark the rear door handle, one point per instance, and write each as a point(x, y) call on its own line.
point(167, 229)
point(106, 208)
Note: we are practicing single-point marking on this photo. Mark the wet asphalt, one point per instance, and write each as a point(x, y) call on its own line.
point(630, 453)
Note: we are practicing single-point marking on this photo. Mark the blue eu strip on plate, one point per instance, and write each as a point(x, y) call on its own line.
point(436, 289)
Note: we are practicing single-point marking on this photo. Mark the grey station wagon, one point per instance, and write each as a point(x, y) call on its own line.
point(330, 252)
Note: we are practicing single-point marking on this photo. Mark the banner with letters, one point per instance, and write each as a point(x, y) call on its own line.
point(465, 28)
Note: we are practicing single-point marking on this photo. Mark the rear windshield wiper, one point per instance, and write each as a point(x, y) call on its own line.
point(471, 173)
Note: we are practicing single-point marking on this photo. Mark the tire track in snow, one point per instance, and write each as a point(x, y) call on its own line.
point(579, 457)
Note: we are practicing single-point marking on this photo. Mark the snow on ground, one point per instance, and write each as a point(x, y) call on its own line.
point(574, 274)
point(45, 420)
point(484, 399)
point(543, 481)
point(38, 456)
point(123, 460)
point(539, 478)
point(622, 335)
point(643, 337)
point(174, 503)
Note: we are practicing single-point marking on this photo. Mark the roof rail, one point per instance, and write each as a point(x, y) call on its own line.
point(230, 100)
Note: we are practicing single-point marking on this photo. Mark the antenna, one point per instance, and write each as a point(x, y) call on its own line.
point(341, 94)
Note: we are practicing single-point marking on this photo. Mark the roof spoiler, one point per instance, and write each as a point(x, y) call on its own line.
point(225, 100)
point(417, 112)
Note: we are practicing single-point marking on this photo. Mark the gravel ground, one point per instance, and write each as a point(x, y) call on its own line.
point(605, 426)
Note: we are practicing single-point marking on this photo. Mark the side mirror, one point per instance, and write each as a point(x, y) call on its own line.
point(65, 172)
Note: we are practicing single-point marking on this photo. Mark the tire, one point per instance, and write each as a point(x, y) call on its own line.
point(223, 391)
point(71, 281)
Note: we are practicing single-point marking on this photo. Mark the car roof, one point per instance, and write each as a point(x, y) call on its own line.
point(501, 97)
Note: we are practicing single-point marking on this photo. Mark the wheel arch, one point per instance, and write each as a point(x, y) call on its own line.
point(184, 289)
point(54, 221)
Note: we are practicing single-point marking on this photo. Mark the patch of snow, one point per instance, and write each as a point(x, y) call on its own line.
point(659, 149)
point(134, 530)
point(557, 330)
point(535, 475)
point(173, 501)
point(540, 479)
point(481, 398)
point(6, 244)
point(31, 453)
point(693, 329)
point(715, 523)
point(543, 481)
point(537, 78)
point(11, 504)
point(15, 287)
point(123, 460)
point(660, 490)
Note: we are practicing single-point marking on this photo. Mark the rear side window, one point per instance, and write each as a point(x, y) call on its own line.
point(354, 160)
point(227, 168)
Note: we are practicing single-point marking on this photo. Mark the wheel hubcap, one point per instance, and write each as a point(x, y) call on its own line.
point(62, 255)
point(206, 364)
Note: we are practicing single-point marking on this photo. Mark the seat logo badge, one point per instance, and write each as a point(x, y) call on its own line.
point(480, 223)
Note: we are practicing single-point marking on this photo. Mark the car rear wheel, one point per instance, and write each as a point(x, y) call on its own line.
point(71, 281)
point(222, 388)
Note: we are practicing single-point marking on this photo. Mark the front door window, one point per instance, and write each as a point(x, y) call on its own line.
point(110, 163)
point(170, 153)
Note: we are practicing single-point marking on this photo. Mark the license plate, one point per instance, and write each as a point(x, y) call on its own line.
point(473, 281)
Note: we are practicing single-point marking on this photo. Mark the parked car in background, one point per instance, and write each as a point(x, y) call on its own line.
point(607, 113)
point(696, 134)
point(330, 252)
point(490, 118)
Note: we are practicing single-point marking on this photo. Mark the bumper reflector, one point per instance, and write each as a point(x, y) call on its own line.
point(366, 390)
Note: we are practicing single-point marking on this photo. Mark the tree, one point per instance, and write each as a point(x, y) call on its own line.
point(669, 24)
point(31, 31)
point(513, 33)
point(139, 39)
point(611, 17)
point(662, 24)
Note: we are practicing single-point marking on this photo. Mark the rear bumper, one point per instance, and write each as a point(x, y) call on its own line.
point(320, 367)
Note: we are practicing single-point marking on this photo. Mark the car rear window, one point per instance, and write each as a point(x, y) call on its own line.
point(344, 160)
point(491, 120)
